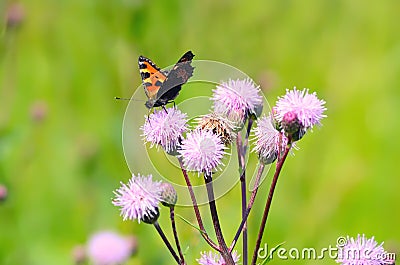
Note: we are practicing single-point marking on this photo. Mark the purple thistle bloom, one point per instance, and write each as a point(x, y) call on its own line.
point(236, 98)
point(3, 193)
point(139, 199)
point(362, 251)
point(202, 151)
point(307, 107)
point(269, 141)
point(210, 258)
point(165, 129)
point(109, 248)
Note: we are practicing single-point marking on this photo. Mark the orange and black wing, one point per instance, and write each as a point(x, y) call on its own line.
point(176, 77)
point(152, 77)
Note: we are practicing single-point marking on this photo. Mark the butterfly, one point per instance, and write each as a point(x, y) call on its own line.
point(162, 87)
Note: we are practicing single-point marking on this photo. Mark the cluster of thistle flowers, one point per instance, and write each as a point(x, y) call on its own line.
point(235, 104)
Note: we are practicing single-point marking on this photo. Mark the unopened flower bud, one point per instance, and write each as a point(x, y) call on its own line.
point(39, 111)
point(292, 126)
point(168, 195)
point(133, 244)
point(268, 158)
point(79, 254)
point(15, 15)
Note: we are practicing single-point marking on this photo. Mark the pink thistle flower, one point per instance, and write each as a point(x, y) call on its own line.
point(362, 251)
point(165, 128)
point(139, 199)
point(236, 99)
point(3, 193)
point(210, 258)
point(202, 151)
point(109, 248)
point(269, 141)
point(307, 107)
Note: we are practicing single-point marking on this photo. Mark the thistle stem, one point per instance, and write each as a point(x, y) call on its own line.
point(196, 208)
point(178, 246)
point(249, 205)
point(225, 253)
point(242, 170)
point(166, 242)
point(244, 209)
point(268, 203)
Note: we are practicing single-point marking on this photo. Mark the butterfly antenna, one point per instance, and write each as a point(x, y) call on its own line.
point(119, 98)
point(129, 99)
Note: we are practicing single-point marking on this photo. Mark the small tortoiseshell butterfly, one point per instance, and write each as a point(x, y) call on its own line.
point(163, 87)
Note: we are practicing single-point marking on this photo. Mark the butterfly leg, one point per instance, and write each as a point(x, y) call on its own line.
point(165, 109)
point(148, 116)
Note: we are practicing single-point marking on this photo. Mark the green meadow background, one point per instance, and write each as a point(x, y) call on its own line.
point(61, 153)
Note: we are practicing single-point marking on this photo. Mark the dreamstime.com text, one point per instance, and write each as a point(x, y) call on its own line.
point(330, 252)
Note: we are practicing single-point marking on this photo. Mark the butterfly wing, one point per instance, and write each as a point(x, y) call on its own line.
point(176, 77)
point(152, 77)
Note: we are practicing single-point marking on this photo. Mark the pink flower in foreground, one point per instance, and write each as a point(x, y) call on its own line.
point(139, 199)
point(210, 258)
point(109, 248)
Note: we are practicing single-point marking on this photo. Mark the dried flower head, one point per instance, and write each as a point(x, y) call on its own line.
point(108, 248)
point(165, 128)
point(139, 199)
point(218, 125)
point(269, 141)
point(308, 109)
point(202, 151)
point(362, 251)
point(236, 99)
point(210, 258)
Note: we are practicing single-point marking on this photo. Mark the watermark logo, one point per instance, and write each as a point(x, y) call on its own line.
point(346, 251)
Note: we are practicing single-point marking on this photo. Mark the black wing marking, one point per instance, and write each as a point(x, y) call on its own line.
point(178, 76)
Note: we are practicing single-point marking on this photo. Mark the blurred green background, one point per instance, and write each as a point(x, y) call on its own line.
point(62, 63)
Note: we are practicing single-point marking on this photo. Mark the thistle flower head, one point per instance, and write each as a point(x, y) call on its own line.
point(236, 99)
point(139, 199)
point(308, 109)
point(202, 151)
point(109, 248)
point(362, 251)
point(210, 258)
point(220, 126)
point(164, 128)
point(269, 141)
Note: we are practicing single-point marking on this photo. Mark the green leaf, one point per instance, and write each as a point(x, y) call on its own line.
point(189, 223)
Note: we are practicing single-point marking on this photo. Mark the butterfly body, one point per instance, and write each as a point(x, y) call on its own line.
point(162, 87)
